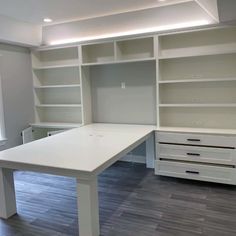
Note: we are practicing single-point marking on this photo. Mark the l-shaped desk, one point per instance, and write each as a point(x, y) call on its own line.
point(82, 153)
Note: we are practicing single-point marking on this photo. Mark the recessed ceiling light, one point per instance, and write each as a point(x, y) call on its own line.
point(161, 0)
point(47, 20)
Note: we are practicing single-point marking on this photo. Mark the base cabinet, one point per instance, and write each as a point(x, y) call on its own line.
point(204, 160)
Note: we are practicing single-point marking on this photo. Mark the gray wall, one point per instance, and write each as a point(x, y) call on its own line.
point(17, 91)
point(134, 104)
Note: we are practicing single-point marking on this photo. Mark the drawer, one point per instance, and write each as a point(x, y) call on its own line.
point(196, 139)
point(195, 171)
point(223, 156)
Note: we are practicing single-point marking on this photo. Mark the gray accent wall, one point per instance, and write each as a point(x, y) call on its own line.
point(17, 91)
point(136, 104)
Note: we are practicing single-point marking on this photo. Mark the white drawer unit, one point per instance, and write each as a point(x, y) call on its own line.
point(196, 156)
point(196, 139)
point(201, 172)
point(225, 156)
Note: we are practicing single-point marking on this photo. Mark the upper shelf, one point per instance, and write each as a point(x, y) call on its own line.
point(124, 51)
point(198, 51)
point(200, 80)
point(198, 43)
point(58, 58)
point(57, 86)
point(45, 67)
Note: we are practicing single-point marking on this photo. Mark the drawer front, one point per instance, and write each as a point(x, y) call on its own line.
point(196, 154)
point(196, 172)
point(196, 139)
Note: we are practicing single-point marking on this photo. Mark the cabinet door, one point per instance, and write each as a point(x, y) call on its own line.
point(27, 135)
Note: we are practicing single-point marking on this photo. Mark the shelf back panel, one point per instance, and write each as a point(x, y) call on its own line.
point(136, 103)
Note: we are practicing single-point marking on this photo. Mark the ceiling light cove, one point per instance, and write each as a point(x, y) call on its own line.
point(133, 32)
point(47, 20)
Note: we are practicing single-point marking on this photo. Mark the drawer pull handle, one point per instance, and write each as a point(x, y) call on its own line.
point(193, 139)
point(192, 172)
point(193, 154)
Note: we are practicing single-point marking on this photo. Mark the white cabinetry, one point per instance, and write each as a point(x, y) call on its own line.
point(196, 156)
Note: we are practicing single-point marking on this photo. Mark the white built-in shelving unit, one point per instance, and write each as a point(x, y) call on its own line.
point(182, 82)
point(120, 51)
point(57, 88)
point(197, 79)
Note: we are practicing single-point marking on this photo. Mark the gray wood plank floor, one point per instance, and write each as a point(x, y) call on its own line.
point(133, 202)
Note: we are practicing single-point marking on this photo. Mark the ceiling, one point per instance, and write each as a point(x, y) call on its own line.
point(34, 11)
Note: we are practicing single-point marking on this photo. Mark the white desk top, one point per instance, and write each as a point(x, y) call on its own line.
point(81, 152)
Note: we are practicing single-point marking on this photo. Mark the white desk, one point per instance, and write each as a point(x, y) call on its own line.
point(82, 153)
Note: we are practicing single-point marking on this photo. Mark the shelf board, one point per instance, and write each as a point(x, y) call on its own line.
point(119, 62)
point(197, 130)
point(59, 105)
point(196, 80)
point(57, 86)
point(198, 51)
point(200, 105)
point(55, 125)
point(55, 66)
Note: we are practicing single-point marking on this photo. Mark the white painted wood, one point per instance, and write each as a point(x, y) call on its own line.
point(197, 130)
point(56, 77)
point(132, 49)
point(88, 207)
point(102, 52)
point(27, 135)
point(2, 122)
point(82, 153)
point(201, 154)
point(59, 114)
point(55, 66)
point(201, 172)
point(150, 151)
point(118, 62)
point(7, 194)
point(72, 152)
point(210, 42)
point(55, 125)
point(197, 80)
point(60, 57)
point(58, 86)
point(199, 105)
point(196, 139)
point(86, 95)
point(58, 105)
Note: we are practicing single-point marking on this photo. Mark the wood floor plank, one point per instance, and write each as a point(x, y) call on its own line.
point(133, 201)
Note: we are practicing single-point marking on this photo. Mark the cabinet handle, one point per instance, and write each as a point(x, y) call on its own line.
point(193, 139)
point(193, 154)
point(192, 172)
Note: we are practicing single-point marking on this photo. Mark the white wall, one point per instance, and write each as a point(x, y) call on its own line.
point(17, 91)
point(20, 33)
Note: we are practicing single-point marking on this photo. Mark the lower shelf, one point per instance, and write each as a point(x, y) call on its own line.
point(56, 125)
point(210, 173)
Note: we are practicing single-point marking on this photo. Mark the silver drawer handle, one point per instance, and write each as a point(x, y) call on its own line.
point(192, 172)
point(193, 139)
point(192, 154)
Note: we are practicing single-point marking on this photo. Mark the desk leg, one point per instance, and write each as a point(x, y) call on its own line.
point(7, 194)
point(87, 191)
point(150, 151)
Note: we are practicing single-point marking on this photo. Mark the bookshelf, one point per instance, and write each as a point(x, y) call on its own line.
point(197, 79)
point(57, 88)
